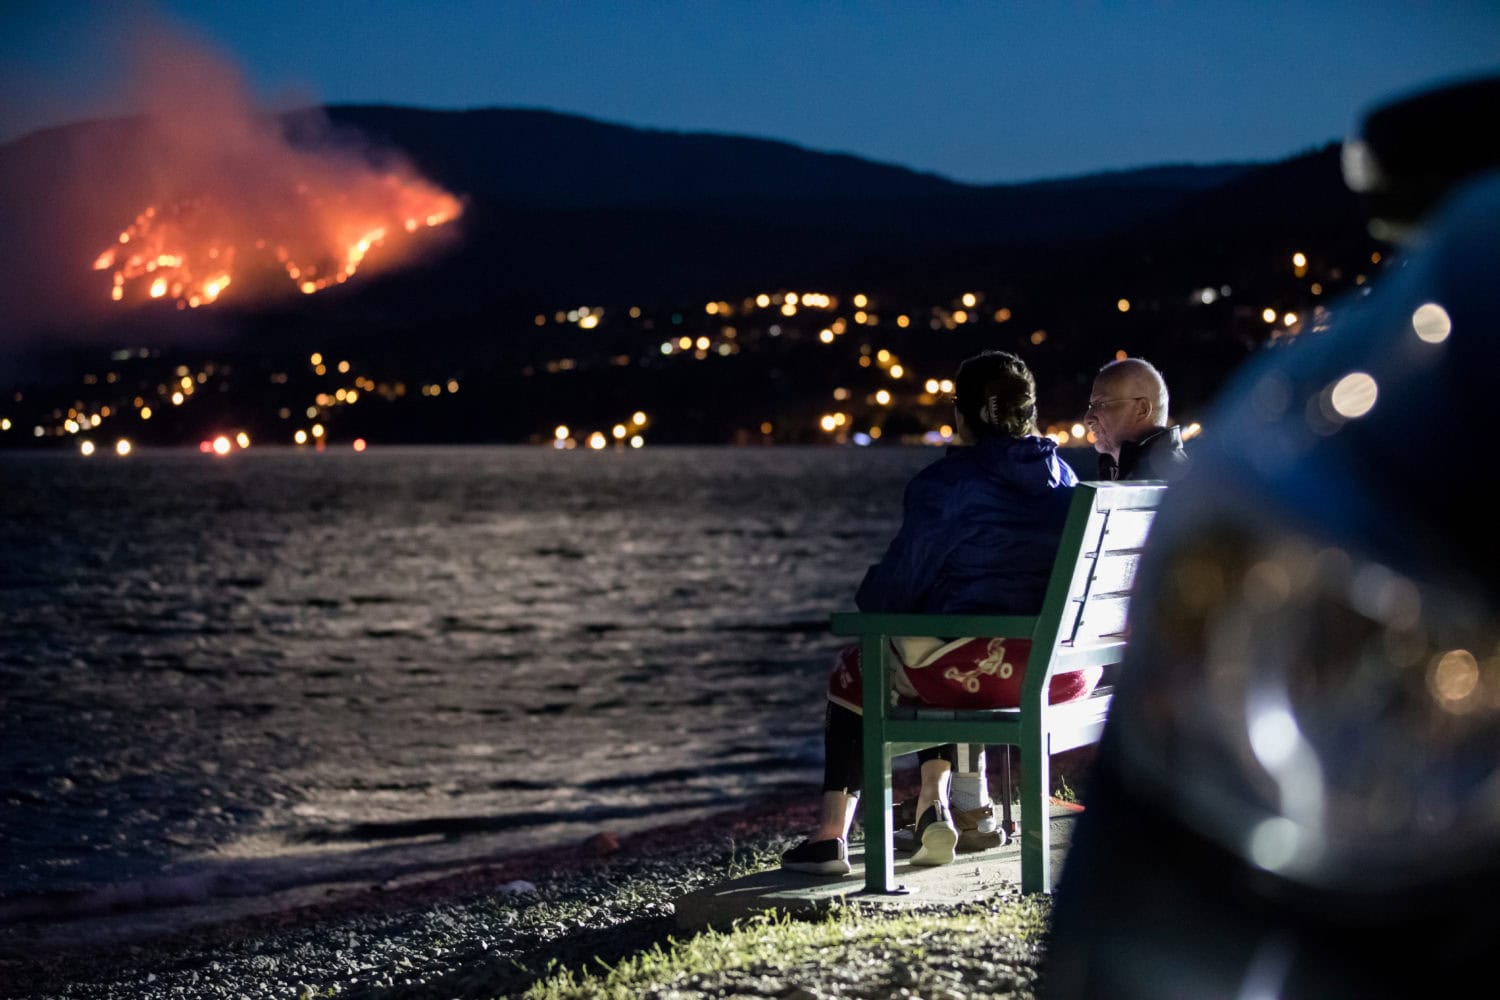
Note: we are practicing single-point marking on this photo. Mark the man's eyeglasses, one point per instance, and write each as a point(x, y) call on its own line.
point(1095, 405)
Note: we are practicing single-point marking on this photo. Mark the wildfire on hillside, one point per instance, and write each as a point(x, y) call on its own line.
point(316, 233)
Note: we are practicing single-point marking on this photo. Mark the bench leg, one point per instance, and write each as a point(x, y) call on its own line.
point(1008, 792)
point(880, 863)
point(1036, 819)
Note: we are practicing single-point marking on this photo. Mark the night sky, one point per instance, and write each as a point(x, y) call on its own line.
point(979, 92)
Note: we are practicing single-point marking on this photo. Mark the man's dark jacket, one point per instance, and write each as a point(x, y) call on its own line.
point(1158, 455)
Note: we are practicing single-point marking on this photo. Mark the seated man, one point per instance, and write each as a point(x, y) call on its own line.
point(979, 531)
point(1127, 415)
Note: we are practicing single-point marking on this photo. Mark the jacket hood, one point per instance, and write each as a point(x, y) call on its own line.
point(1029, 464)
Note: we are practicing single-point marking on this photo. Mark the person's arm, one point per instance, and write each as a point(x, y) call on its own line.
point(902, 578)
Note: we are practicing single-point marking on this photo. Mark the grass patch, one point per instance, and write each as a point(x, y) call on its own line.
point(983, 949)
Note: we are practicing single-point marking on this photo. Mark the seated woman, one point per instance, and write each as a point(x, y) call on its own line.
point(978, 534)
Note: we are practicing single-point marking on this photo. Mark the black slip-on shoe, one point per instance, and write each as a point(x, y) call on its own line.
point(818, 857)
point(937, 835)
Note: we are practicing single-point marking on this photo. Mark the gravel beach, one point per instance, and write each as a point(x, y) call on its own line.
point(500, 930)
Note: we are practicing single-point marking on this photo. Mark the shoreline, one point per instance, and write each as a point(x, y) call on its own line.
point(76, 958)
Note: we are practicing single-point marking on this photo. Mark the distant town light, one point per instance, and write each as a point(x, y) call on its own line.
point(317, 430)
point(1123, 305)
point(344, 367)
point(618, 431)
point(300, 437)
point(1290, 319)
point(637, 441)
point(221, 445)
point(860, 301)
point(883, 397)
point(359, 444)
point(122, 447)
point(561, 432)
point(1002, 315)
point(766, 427)
point(946, 385)
point(763, 300)
point(903, 321)
point(86, 448)
point(1299, 259)
point(959, 316)
point(826, 335)
point(597, 440)
point(897, 371)
point(931, 385)
point(1078, 430)
point(1268, 314)
point(970, 300)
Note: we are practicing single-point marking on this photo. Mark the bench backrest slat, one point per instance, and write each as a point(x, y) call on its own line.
point(1088, 595)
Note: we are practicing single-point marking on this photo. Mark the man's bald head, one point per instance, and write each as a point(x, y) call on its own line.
point(1129, 401)
point(1136, 377)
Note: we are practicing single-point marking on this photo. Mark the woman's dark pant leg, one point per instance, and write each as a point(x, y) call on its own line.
point(843, 751)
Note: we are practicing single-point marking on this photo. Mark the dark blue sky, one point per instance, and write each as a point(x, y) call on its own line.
point(974, 91)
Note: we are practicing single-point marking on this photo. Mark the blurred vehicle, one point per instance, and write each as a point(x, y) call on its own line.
point(1298, 790)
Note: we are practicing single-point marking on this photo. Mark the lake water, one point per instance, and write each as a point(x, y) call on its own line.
point(288, 667)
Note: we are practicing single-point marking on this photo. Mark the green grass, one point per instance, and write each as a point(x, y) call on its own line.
point(984, 949)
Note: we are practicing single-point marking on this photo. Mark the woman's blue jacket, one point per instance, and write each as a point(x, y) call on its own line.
point(978, 534)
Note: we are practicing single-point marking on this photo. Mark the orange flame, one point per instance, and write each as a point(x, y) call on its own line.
point(188, 250)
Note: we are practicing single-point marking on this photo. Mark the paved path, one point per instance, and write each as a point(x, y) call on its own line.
point(969, 877)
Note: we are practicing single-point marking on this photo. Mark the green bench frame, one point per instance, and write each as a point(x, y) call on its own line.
point(1081, 624)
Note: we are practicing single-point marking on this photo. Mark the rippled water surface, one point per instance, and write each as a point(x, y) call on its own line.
point(290, 666)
